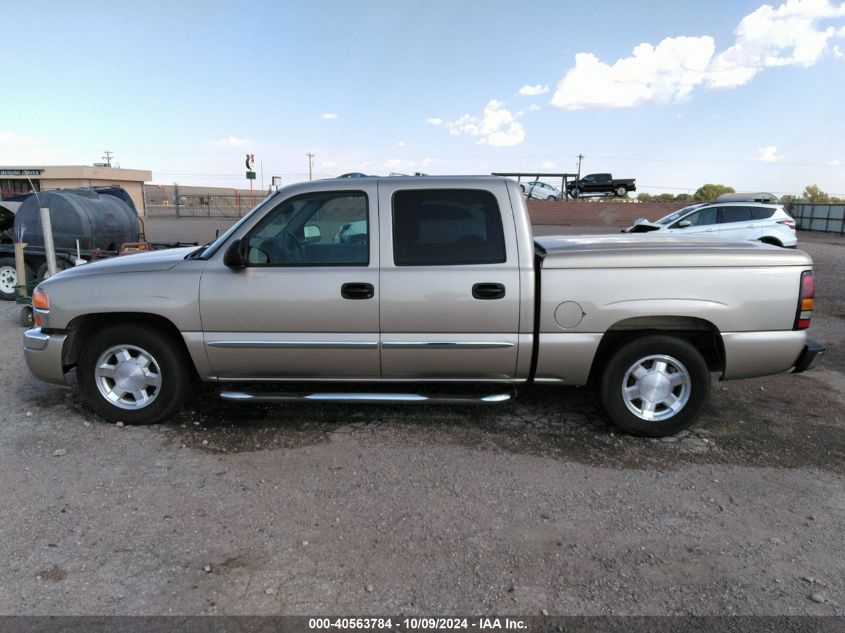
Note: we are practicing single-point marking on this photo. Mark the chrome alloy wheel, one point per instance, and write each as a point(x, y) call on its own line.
point(656, 387)
point(128, 377)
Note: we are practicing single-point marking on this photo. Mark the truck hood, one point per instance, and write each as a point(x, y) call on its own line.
point(653, 250)
point(137, 263)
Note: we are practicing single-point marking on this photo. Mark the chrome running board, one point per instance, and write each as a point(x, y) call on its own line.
point(365, 398)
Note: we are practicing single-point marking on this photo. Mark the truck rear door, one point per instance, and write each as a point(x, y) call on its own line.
point(450, 282)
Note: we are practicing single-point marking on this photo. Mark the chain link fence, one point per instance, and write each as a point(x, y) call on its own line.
point(829, 218)
point(175, 204)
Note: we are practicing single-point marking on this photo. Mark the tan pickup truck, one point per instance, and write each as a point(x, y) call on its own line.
point(422, 289)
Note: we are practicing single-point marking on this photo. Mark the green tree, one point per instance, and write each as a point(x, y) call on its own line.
point(812, 193)
point(644, 197)
point(710, 191)
point(664, 197)
point(683, 197)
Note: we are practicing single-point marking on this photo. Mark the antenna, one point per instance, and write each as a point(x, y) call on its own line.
point(108, 156)
point(310, 156)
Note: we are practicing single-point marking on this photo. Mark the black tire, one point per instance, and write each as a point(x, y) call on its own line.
point(575, 192)
point(771, 240)
point(168, 358)
point(9, 278)
point(41, 275)
point(25, 318)
point(620, 192)
point(690, 397)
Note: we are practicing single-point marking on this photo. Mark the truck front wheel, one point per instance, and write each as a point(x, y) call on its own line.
point(133, 373)
point(655, 386)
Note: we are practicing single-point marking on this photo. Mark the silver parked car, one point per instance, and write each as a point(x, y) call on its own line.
point(540, 190)
point(767, 223)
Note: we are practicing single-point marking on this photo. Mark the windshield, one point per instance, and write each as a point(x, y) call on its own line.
point(212, 248)
point(676, 214)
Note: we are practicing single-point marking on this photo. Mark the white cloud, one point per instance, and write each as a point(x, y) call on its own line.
point(427, 162)
point(401, 144)
point(547, 164)
point(234, 141)
point(769, 154)
point(532, 91)
point(434, 120)
point(837, 51)
point(497, 126)
point(834, 163)
point(790, 35)
point(662, 73)
point(328, 116)
point(534, 107)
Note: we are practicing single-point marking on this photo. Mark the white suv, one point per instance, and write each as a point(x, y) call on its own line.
point(768, 223)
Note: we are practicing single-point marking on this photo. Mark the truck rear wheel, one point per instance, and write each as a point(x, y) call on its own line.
point(655, 386)
point(621, 191)
point(133, 373)
point(9, 278)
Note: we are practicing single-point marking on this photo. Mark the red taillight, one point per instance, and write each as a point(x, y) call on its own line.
point(806, 301)
point(789, 223)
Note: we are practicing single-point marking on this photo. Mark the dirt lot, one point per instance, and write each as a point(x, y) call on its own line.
point(533, 506)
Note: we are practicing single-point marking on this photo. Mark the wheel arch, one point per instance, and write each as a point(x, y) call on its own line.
point(700, 333)
point(768, 239)
point(82, 327)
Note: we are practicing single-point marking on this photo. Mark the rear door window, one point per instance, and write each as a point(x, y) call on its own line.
point(441, 227)
point(734, 214)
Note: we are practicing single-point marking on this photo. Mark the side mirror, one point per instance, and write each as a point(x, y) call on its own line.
point(311, 233)
point(684, 224)
point(235, 255)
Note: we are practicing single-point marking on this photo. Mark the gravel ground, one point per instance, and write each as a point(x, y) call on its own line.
point(532, 506)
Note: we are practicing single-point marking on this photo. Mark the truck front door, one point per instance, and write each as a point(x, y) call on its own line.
point(306, 304)
point(450, 291)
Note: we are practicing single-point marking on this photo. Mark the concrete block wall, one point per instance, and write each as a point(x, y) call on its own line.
point(611, 213)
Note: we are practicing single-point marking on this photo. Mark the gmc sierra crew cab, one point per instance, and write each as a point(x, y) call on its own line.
point(428, 289)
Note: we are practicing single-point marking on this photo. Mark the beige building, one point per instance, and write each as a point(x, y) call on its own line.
point(14, 179)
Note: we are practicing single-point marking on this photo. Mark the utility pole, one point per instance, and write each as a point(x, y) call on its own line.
point(310, 156)
point(580, 158)
point(108, 157)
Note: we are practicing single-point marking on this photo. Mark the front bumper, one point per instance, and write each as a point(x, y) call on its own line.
point(43, 355)
point(809, 355)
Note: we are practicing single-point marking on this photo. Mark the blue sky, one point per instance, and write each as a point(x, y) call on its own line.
point(673, 94)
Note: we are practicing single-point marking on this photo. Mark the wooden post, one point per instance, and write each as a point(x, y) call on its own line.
point(20, 268)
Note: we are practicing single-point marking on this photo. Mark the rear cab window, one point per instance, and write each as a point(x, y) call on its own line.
point(443, 227)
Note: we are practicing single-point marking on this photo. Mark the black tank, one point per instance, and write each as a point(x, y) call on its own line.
point(103, 221)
